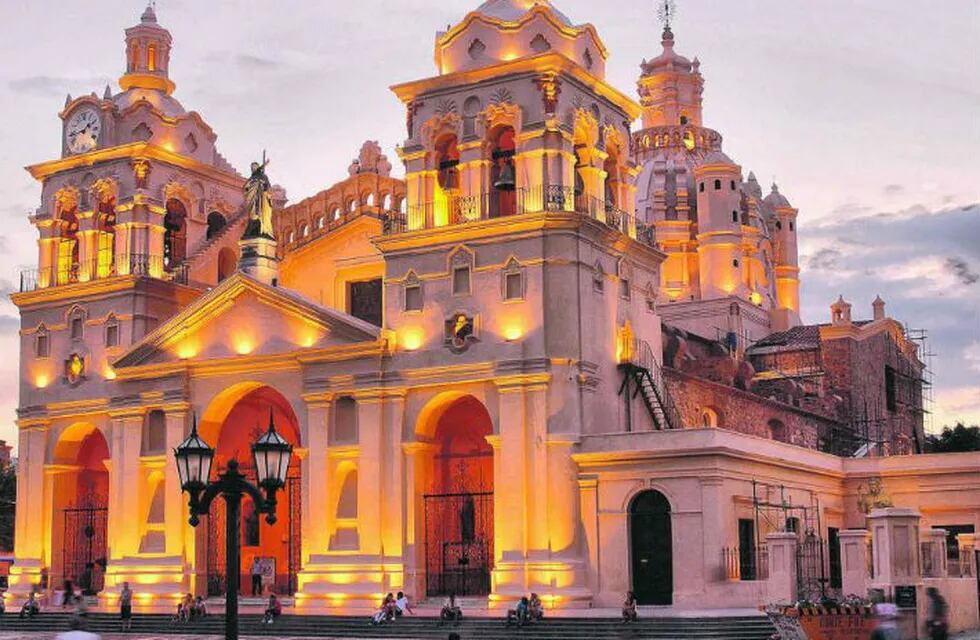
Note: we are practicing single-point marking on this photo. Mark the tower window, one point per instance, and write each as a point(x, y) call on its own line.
point(683, 119)
point(112, 334)
point(717, 185)
point(413, 297)
point(513, 286)
point(77, 328)
point(734, 216)
point(790, 225)
point(735, 262)
point(891, 390)
point(461, 281)
point(779, 225)
point(733, 185)
point(42, 346)
point(151, 58)
point(701, 187)
point(599, 279)
point(624, 288)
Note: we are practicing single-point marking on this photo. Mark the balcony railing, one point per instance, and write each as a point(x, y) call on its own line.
point(466, 209)
point(136, 264)
point(746, 564)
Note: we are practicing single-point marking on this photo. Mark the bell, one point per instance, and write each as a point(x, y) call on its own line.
point(505, 181)
point(449, 178)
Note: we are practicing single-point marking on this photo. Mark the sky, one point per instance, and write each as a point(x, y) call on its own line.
point(866, 113)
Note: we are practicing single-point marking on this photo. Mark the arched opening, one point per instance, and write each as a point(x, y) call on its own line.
point(216, 222)
point(151, 58)
point(106, 259)
point(227, 262)
point(611, 166)
point(503, 178)
point(80, 498)
point(458, 498)
point(651, 548)
point(174, 233)
point(68, 246)
point(777, 430)
point(447, 181)
point(231, 424)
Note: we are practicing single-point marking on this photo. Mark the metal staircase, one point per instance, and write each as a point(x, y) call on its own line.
point(643, 376)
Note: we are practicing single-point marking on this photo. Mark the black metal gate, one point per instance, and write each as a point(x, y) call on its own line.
point(217, 571)
point(458, 543)
point(811, 578)
point(84, 550)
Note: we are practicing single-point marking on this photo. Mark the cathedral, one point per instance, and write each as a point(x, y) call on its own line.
point(563, 353)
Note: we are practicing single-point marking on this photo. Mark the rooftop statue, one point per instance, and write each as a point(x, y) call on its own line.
point(258, 202)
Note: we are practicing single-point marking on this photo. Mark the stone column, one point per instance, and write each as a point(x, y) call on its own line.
point(392, 492)
point(934, 553)
point(418, 467)
point(29, 519)
point(126, 431)
point(854, 561)
point(782, 583)
point(176, 513)
point(369, 475)
point(589, 513)
point(510, 509)
point(895, 532)
point(968, 544)
point(315, 480)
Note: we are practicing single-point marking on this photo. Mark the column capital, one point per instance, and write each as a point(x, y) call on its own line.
point(39, 425)
point(418, 447)
point(53, 469)
point(494, 441)
point(522, 382)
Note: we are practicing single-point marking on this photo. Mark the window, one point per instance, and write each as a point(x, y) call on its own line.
point(790, 225)
point(733, 185)
point(777, 431)
point(599, 279)
point(624, 288)
point(77, 328)
point(701, 187)
point(735, 262)
point(413, 297)
point(833, 551)
point(683, 119)
point(734, 216)
point(461, 281)
point(42, 344)
point(216, 222)
point(717, 185)
point(709, 417)
point(891, 389)
point(112, 333)
point(364, 300)
point(747, 569)
point(779, 225)
point(513, 286)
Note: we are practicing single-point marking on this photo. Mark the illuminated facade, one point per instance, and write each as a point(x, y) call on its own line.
point(467, 361)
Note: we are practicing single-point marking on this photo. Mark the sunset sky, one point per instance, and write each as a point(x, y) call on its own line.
point(866, 113)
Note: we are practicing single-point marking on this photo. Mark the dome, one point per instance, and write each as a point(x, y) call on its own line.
point(514, 10)
point(777, 200)
point(166, 104)
point(669, 60)
point(717, 157)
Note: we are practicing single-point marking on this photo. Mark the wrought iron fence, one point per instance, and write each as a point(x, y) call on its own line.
point(137, 264)
point(464, 209)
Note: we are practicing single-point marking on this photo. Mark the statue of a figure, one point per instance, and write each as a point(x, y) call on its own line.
point(258, 202)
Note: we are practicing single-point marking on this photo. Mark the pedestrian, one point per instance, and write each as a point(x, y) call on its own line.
point(126, 607)
point(31, 607)
point(937, 622)
point(887, 622)
point(629, 608)
point(256, 576)
point(77, 633)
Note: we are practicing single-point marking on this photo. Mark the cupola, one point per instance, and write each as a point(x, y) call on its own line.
point(147, 55)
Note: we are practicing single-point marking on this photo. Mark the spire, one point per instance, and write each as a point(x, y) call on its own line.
point(147, 55)
point(150, 13)
point(666, 10)
point(107, 94)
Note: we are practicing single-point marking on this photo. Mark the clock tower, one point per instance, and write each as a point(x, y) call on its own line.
point(139, 215)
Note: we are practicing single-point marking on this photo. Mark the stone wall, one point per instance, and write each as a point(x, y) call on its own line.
point(744, 412)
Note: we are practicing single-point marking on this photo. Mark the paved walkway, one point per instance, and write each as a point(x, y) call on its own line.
point(972, 635)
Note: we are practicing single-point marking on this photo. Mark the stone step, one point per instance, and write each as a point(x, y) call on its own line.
point(733, 628)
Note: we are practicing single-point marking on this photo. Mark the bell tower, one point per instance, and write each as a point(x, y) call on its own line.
point(147, 55)
point(670, 85)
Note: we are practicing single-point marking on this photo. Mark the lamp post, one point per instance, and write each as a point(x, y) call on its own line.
point(194, 457)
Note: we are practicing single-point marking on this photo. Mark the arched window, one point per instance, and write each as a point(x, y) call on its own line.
point(709, 417)
point(369, 201)
point(155, 433)
point(68, 246)
point(227, 262)
point(733, 185)
point(352, 205)
point(701, 187)
point(779, 225)
point(321, 222)
point(336, 214)
point(174, 233)
point(598, 278)
point(503, 179)
point(717, 185)
point(304, 230)
point(216, 222)
point(734, 216)
point(345, 421)
point(777, 430)
point(151, 58)
point(386, 202)
point(76, 324)
point(42, 342)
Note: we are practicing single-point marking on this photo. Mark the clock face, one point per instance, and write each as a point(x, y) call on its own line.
point(82, 131)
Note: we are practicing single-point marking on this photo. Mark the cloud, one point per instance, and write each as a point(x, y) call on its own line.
point(961, 270)
point(972, 355)
point(9, 324)
point(824, 259)
point(48, 86)
point(893, 189)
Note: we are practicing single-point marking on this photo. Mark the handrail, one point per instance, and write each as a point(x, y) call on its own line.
point(137, 264)
point(459, 209)
point(642, 357)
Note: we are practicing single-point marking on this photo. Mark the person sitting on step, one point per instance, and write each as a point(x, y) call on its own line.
point(273, 610)
point(31, 608)
point(198, 608)
point(521, 615)
point(629, 608)
point(450, 611)
point(535, 608)
point(184, 609)
point(402, 605)
point(386, 612)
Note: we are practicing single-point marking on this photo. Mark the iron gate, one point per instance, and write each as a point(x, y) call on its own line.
point(458, 543)
point(217, 571)
point(811, 579)
point(84, 550)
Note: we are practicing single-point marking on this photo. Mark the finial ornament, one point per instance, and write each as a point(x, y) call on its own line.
point(666, 11)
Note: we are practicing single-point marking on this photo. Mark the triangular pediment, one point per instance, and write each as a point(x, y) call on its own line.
point(245, 317)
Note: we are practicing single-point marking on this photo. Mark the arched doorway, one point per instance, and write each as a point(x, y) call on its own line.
point(458, 503)
point(233, 421)
point(174, 234)
point(651, 548)
point(227, 263)
point(80, 502)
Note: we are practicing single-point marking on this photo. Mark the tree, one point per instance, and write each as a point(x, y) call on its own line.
point(959, 438)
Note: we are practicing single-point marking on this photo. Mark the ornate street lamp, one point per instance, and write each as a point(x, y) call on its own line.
point(194, 457)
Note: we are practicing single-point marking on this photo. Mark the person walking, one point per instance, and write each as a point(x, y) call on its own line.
point(126, 607)
point(937, 622)
point(256, 573)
